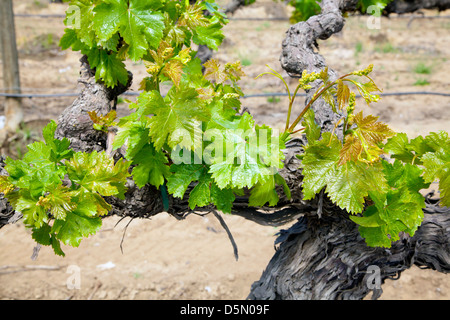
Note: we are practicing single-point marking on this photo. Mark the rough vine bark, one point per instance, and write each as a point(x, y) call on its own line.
point(408, 6)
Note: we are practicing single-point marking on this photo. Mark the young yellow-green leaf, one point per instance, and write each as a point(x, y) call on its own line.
point(371, 130)
point(5, 185)
point(173, 70)
point(33, 215)
point(193, 17)
point(351, 150)
point(343, 94)
point(213, 72)
point(102, 123)
point(58, 201)
point(234, 71)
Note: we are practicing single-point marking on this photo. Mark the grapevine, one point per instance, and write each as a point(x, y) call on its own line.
point(196, 135)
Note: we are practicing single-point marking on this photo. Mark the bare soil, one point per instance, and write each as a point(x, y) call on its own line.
point(163, 258)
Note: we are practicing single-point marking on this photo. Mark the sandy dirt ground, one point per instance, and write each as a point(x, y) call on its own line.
point(163, 258)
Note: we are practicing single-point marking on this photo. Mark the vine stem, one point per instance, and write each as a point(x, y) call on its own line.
point(291, 102)
point(316, 96)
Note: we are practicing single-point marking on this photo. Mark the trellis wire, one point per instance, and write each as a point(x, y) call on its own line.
point(256, 95)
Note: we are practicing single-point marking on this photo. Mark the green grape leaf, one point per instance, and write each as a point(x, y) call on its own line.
point(437, 167)
point(408, 175)
point(33, 215)
point(394, 212)
point(108, 67)
point(303, 10)
point(245, 155)
point(407, 151)
point(312, 130)
point(151, 167)
point(200, 196)
point(210, 35)
point(319, 164)
point(136, 21)
point(351, 183)
point(36, 171)
point(177, 120)
point(59, 148)
point(96, 172)
point(205, 190)
point(381, 236)
point(397, 146)
point(44, 236)
point(69, 39)
point(262, 193)
point(75, 227)
point(81, 20)
point(134, 134)
point(222, 198)
point(399, 209)
point(182, 177)
point(265, 192)
point(432, 152)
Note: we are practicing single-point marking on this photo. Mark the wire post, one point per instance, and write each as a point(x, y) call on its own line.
point(11, 76)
